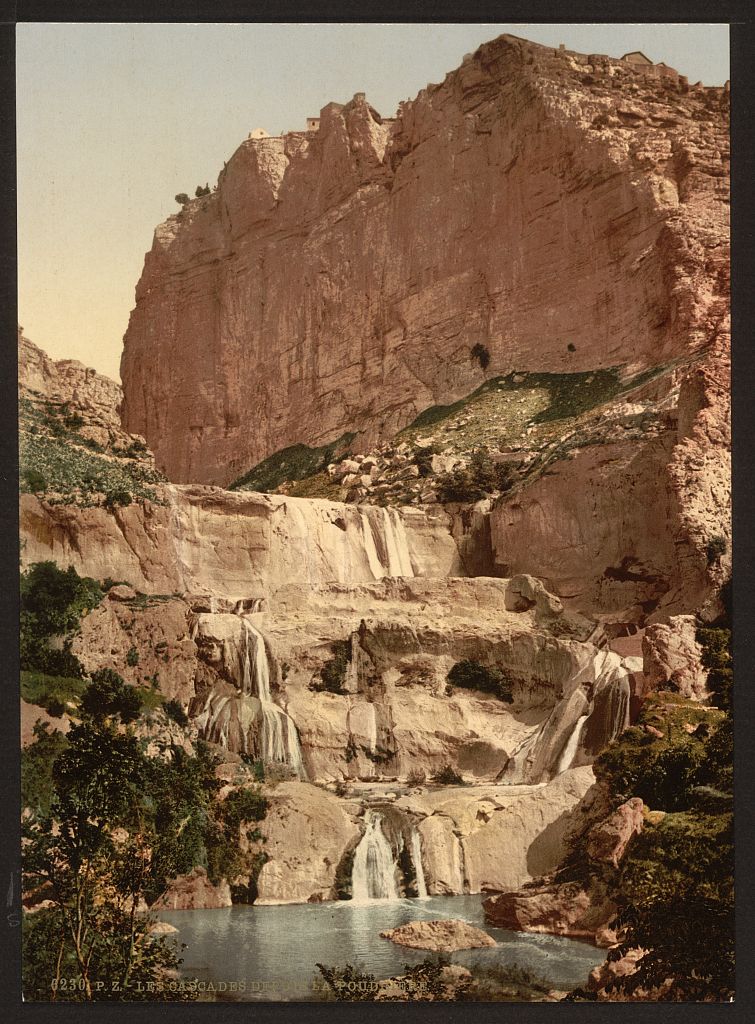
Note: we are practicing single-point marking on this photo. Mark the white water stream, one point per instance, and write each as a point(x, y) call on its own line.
point(418, 869)
point(570, 747)
point(277, 744)
point(373, 875)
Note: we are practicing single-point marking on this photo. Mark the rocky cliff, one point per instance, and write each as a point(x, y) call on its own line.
point(561, 212)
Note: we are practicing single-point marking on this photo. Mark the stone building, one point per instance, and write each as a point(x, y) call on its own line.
point(637, 57)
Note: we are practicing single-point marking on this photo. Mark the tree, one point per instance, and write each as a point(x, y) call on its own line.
point(182, 198)
point(57, 599)
point(52, 603)
point(90, 855)
point(108, 696)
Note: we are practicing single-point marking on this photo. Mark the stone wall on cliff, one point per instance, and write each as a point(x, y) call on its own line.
point(567, 215)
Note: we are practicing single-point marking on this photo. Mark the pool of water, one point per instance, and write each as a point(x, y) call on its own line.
point(273, 950)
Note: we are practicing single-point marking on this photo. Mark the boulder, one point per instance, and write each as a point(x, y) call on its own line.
point(444, 936)
point(607, 841)
point(565, 908)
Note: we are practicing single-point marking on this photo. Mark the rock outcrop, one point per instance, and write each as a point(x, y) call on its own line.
point(194, 892)
point(565, 908)
point(445, 936)
point(608, 840)
point(93, 398)
point(339, 280)
point(672, 657)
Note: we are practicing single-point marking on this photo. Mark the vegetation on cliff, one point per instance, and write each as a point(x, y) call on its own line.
point(296, 462)
point(71, 467)
point(675, 886)
point(504, 434)
point(106, 826)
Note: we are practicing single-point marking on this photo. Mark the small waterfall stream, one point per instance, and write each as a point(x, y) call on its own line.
point(418, 869)
point(570, 747)
point(373, 875)
point(255, 680)
point(385, 543)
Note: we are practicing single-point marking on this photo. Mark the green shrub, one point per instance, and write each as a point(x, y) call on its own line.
point(55, 598)
point(36, 767)
point(108, 696)
point(416, 777)
point(660, 771)
point(33, 481)
point(715, 548)
point(448, 776)
point(458, 486)
point(132, 657)
point(481, 354)
point(481, 477)
point(243, 806)
point(497, 983)
point(174, 709)
point(117, 499)
point(182, 199)
point(716, 657)
point(333, 672)
point(471, 675)
point(52, 603)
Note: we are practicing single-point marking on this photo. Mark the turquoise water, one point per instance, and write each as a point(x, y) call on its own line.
point(273, 950)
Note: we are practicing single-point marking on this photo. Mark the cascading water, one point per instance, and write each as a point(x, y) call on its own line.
point(373, 875)
point(277, 745)
point(384, 528)
point(399, 560)
point(418, 869)
point(570, 747)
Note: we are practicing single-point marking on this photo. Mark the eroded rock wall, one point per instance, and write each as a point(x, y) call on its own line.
point(565, 214)
point(238, 545)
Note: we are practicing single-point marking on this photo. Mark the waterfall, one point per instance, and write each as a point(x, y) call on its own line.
point(213, 604)
point(394, 558)
point(570, 747)
point(418, 869)
point(397, 546)
point(373, 729)
point(376, 566)
point(373, 876)
point(277, 745)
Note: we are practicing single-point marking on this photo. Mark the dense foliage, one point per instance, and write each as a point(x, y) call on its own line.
point(333, 672)
point(52, 603)
point(105, 826)
point(471, 675)
point(675, 886)
point(482, 476)
point(427, 982)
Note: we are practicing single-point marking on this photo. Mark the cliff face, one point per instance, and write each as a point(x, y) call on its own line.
point(568, 213)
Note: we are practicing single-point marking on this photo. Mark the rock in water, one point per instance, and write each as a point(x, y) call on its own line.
point(439, 936)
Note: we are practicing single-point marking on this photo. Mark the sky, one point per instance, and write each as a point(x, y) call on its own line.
point(113, 120)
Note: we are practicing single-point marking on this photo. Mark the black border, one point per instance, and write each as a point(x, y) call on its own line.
point(739, 15)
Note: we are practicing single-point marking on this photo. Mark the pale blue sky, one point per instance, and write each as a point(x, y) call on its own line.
point(114, 120)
